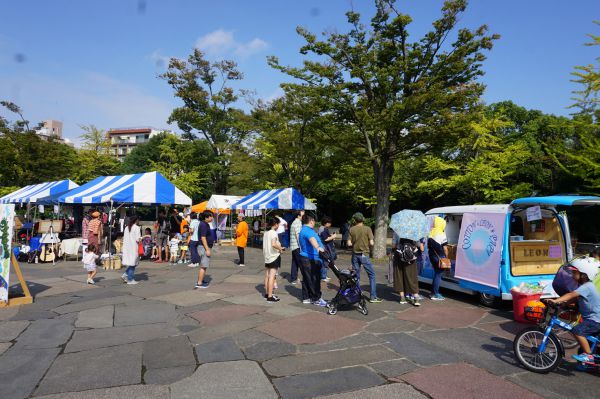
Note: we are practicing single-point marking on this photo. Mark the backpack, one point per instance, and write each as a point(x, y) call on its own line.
point(407, 252)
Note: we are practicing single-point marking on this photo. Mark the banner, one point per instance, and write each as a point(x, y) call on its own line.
point(7, 219)
point(480, 248)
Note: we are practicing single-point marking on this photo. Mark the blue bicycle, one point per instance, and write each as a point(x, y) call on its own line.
point(540, 350)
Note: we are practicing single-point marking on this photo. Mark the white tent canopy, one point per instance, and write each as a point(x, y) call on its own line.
point(217, 201)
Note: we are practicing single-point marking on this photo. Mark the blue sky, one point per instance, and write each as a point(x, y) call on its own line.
point(87, 62)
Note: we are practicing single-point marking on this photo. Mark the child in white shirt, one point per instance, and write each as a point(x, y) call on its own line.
point(89, 262)
point(174, 248)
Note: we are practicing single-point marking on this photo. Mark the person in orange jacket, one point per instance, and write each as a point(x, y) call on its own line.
point(241, 237)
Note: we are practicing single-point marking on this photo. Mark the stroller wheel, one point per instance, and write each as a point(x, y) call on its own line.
point(331, 309)
point(362, 307)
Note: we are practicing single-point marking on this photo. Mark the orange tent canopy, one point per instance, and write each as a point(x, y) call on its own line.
point(201, 207)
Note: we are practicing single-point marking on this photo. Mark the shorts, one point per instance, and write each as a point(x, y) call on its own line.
point(90, 268)
point(586, 327)
point(162, 240)
point(276, 264)
point(183, 247)
point(204, 260)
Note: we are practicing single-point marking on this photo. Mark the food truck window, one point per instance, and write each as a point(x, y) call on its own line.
point(537, 246)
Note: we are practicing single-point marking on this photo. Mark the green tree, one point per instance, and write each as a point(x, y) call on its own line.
point(399, 97)
point(94, 158)
point(208, 107)
point(95, 139)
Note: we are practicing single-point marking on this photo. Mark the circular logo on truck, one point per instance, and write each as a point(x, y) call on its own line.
point(480, 241)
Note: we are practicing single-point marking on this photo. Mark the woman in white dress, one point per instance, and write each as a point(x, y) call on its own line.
point(131, 237)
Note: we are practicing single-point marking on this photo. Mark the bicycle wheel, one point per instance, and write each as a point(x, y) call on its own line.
point(526, 348)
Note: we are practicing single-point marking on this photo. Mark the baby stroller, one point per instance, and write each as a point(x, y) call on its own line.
point(349, 292)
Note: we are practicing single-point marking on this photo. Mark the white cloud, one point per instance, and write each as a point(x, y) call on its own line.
point(221, 43)
point(87, 98)
point(161, 61)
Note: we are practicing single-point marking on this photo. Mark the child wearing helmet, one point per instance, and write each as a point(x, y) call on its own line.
point(588, 299)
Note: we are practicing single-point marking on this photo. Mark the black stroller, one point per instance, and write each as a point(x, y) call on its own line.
point(349, 292)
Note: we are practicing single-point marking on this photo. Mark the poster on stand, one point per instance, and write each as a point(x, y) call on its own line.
point(480, 248)
point(7, 219)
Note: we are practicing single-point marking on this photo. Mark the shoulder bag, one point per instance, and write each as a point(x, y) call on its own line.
point(443, 263)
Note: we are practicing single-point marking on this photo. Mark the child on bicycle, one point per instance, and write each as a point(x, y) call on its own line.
point(584, 271)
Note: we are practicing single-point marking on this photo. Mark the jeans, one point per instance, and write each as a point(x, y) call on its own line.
point(311, 283)
point(324, 269)
point(241, 254)
point(194, 251)
point(296, 263)
point(437, 279)
point(361, 259)
point(129, 272)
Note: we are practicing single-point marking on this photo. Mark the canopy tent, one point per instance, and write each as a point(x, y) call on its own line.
point(217, 203)
point(201, 207)
point(143, 188)
point(32, 193)
point(282, 198)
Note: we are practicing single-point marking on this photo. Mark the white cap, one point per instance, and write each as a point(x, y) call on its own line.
point(587, 265)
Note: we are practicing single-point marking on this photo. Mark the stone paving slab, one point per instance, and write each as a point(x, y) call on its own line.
point(95, 303)
point(8, 313)
point(64, 287)
point(225, 381)
point(390, 325)
point(10, 330)
point(98, 368)
point(269, 350)
point(353, 341)
point(419, 352)
point(225, 314)
point(96, 318)
point(26, 313)
point(129, 392)
point(328, 382)
point(168, 352)
point(304, 363)
point(394, 368)
point(466, 382)
point(443, 316)
point(257, 299)
point(189, 297)
point(246, 279)
point(236, 289)
point(494, 354)
point(221, 350)
point(169, 375)
point(143, 312)
point(21, 369)
point(248, 338)
point(47, 333)
point(100, 277)
point(565, 382)
point(210, 333)
point(289, 310)
point(4, 346)
point(403, 391)
point(106, 337)
point(506, 329)
point(330, 328)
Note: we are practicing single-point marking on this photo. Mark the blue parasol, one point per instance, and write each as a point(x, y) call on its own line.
point(410, 224)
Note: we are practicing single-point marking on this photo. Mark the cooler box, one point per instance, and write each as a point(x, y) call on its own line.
point(520, 300)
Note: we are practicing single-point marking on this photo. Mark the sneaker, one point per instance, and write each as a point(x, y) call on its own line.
point(321, 302)
point(403, 300)
point(193, 265)
point(295, 282)
point(584, 358)
point(179, 262)
point(307, 301)
point(201, 286)
point(437, 297)
point(375, 300)
point(124, 277)
point(265, 296)
point(326, 279)
point(416, 302)
point(241, 265)
point(90, 281)
point(273, 299)
point(132, 282)
point(418, 297)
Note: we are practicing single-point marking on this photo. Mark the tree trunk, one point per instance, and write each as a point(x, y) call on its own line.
point(384, 170)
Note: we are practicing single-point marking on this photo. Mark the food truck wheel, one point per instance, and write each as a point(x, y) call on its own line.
point(489, 300)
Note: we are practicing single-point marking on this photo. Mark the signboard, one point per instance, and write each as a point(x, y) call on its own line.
point(7, 218)
point(480, 248)
point(534, 213)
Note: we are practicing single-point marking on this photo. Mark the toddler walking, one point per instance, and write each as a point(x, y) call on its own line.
point(89, 262)
point(174, 248)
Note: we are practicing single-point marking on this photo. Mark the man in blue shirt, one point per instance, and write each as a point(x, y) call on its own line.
point(204, 247)
point(310, 248)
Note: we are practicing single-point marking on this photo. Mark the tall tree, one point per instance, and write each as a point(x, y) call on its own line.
point(95, 139)
point(94, 158)
point(208, 106)
point(399, 96)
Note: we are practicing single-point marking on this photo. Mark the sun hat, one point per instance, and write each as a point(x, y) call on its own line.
point(586, 265)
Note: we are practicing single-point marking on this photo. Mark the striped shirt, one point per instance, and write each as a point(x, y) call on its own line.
point(294, 233)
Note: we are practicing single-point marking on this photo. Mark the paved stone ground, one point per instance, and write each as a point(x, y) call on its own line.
point(162, 339)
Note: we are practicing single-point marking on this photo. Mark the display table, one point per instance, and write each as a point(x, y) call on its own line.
point(71, 246)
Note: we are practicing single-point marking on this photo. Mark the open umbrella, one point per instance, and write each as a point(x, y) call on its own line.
point(410, 224)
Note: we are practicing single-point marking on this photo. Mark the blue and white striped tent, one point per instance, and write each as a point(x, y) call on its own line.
point(32, 193)
point(143, 188)
point(282, 198)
